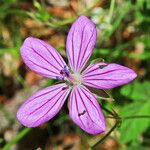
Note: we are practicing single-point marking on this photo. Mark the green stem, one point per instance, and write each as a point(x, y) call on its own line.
point(112, 5)
point(130, 117)
point(136, 117)
point(16, 139)
point(108, 111)
point(105, 136)
point(118, 119)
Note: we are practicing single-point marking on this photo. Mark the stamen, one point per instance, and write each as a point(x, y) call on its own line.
point(70, 79)
point(60, 78)
point(65, 72)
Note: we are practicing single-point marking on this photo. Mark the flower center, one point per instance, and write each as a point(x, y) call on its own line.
point(76, 78)
point(71, 79)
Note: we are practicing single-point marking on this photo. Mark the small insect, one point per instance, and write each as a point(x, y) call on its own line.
point(102, 66)
point(80, 114)
point(64, 88)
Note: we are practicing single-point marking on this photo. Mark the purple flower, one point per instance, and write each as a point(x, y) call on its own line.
point(84, 109)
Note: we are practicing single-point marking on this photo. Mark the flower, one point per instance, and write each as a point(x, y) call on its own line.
point(84, 109)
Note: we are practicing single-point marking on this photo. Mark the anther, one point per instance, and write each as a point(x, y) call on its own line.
point(60, 78)
point(65, 72)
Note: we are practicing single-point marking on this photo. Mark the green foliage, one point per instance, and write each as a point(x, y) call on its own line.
point(41, 14)
point(135, 146)
point(137, 91)
point(97, 60)
point(104, 36)
point(130, 130)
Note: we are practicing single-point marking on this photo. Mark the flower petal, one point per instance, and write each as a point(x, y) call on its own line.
point(85, 111)
point(107, 76)
point(42, 58)
point(43, 105)
point(80, 42)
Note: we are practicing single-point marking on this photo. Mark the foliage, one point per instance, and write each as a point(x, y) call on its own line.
point(139, 93)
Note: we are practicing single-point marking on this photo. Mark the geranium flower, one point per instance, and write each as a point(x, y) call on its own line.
point(84, 109)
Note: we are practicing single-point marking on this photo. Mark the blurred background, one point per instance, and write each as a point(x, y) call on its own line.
point(123, 37)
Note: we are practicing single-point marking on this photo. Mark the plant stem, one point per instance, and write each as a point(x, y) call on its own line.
point(136, 117)
point(118, 119)
point(108, 111)
point(105, 136)
point(16, 139)
point(112, 5)
point(130, 117)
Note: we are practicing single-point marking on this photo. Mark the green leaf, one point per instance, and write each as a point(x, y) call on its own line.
point(101, 94)
point(97, 60)
point(134, 146)
point(37, 5)
point(137, 91)
point(131, 129)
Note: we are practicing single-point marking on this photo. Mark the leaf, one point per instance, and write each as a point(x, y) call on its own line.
point(134, 146)
point(37, 5)
point(100, 93)
point(97, 60)
point(137, 147)
point(131, 128)
point(137, 91)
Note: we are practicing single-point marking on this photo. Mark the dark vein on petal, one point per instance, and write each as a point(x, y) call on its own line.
point(47, 101)
point(84, 105)
point(73, 46)
point(43, 74)
point(44, 58)
point(90, 83)
point(102, 79)
point(42, 67)
point(38, 96)
point(86, 49)
point(88, 71)
point(90, 99)
point(78, 108)
point(86, 59)
point(52, 54)
point(80, 46)
point(110, 71)
point(93, 105)
point(64, 95)
point(70, 101)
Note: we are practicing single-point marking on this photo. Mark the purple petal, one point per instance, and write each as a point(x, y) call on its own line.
point(80, 42)
point(107, 76)
point(85, 111)
point(42, 58)
point(43, 105)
